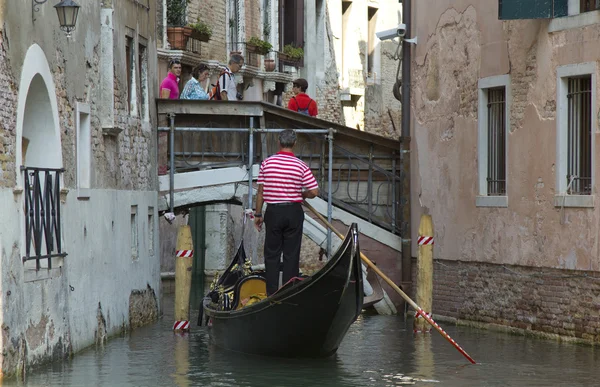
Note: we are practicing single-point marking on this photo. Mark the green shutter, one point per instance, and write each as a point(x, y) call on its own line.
point(531, 9)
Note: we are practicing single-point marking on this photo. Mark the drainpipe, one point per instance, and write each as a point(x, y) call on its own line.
point(405, 150)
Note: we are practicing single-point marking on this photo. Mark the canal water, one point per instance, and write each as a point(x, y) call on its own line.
point(377, 351)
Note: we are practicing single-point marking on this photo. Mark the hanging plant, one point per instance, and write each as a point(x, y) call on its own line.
point(258, 46)
point(201, 31)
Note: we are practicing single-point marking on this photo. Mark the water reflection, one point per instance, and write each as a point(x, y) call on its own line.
point(378, 351)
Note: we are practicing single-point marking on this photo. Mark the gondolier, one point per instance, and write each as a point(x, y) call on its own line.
point(284, 181)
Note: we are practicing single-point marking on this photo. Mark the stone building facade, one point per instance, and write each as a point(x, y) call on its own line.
point(504, 155)
point(77, 139)
point(349, 70)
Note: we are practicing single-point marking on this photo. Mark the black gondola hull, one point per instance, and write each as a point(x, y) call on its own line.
point(308, 319)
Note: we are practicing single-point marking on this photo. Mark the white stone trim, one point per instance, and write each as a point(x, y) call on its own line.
point(575, 20)
point(35, 63)
point(483, 200)
point(491, 201)
point(83, 132)
point(582, 201)
point(562, 75)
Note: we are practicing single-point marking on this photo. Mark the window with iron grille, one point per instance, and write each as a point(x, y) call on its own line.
point(579, 135)
point(496, 125)
point(493, 123)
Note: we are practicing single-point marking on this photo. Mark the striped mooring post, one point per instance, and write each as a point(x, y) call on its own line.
point(424, 294)
point(184, 258)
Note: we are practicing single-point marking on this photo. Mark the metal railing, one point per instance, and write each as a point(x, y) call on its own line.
point(42, 215)
point(364, 185)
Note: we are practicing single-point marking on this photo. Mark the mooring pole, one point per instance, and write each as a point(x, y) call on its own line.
point(171, 162)
point(424, 293)
point(329, 188)
point(250, 161)
point(184, 259)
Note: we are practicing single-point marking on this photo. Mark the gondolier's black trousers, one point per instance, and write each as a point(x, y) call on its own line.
point(283, 224)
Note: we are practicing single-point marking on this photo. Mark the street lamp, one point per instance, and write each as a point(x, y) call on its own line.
point(67, 11)
point(67, 15)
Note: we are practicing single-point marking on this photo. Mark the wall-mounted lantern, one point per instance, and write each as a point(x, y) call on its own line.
point(67, 11)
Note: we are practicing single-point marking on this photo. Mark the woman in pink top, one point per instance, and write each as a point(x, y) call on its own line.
point(169, 87)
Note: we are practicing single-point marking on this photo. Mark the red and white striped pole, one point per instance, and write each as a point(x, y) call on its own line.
point(424, 283)
point(184, 258)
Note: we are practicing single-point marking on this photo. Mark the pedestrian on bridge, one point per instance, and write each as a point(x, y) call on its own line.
point(301, 102)
point(284, 181)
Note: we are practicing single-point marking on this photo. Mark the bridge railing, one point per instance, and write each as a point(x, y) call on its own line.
point(359, 175)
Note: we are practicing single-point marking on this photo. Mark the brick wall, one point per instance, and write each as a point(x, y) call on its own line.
point(214, 14)
point(563, 302)
point(7, 119)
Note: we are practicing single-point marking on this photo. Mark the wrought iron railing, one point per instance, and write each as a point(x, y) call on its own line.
point(364, 185)
point(42, 215)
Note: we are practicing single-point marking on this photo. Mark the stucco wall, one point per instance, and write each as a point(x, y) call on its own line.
point(98, 289)
point(459, 43)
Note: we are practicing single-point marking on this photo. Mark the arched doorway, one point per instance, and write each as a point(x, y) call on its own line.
point(39, 161)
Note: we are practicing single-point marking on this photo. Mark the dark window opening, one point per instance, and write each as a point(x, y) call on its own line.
point(129, 68)
point(589, 5)
point(372, 18)
point(496, 109)
point(579, 136)
point(291, 24)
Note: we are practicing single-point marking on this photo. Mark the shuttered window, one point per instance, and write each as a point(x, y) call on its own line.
point(532, 9)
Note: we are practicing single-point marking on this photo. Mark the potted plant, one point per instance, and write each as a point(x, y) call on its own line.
point(258, 46)
point(177, 33)
point(200, 31)
point(291, 54)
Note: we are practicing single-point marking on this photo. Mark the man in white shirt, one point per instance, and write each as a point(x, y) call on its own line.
point(227, 83)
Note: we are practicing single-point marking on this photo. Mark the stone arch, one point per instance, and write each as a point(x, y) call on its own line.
point(38, 126)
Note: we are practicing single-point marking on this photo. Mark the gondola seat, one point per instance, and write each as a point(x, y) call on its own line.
point(249, 290)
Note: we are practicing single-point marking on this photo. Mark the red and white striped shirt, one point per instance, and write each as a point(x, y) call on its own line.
point(283, 176)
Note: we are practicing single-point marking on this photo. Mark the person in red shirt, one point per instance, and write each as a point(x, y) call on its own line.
point(301, 102)
point(284, 181)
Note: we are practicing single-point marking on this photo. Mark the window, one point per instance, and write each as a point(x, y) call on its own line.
point(493, 129)
point(589, 5)
point(234, 22)
point(575, 127)
point(134, 233)
point(84, 144)
point(532, 9)
point(372, 20)
point(346, 41)
point(142, 66)
point(496, 141)
point(579, 135)
point(291, 23)
point(129, 69)
point(151, 231)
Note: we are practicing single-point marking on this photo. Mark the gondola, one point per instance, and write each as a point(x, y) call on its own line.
point(308, 317)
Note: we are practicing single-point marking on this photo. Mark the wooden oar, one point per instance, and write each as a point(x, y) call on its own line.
point(395, 287)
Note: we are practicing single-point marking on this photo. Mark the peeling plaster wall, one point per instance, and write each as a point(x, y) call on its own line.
point(459, 43)
point(99, 289)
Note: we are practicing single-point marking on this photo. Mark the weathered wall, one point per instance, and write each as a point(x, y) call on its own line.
point(92, 292)
point(214, 14)
point(461, 42)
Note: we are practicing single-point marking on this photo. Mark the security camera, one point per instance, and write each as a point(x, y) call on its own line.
point(399, 31)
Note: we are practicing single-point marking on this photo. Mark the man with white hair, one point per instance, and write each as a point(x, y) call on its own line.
point(284, 181)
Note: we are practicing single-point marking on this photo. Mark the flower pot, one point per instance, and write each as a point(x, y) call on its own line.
point(256, 49)
point(177, 37)
point(200, 36)
point(288, 59)
point(269, 65)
